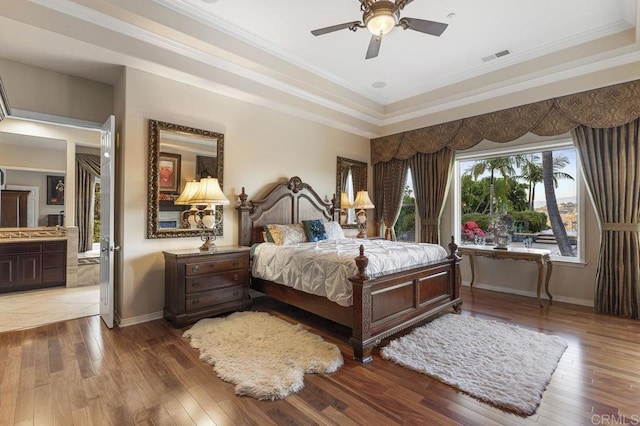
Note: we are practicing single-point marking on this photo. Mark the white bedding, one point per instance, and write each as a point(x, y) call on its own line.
point(323, 268)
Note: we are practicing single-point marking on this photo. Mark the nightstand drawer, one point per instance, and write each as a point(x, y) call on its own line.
point(214, 281)
point(202, 300)
point(200, 285)
point(218, 264)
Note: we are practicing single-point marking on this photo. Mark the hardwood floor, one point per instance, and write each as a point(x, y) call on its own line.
point(79, 373)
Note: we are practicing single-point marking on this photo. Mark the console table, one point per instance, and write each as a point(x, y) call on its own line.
point(541, 257)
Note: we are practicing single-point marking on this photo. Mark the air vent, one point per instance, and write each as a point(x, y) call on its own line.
point(496, 55)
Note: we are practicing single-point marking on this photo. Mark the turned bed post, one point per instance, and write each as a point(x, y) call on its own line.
point(361, 332)
point(457, 280)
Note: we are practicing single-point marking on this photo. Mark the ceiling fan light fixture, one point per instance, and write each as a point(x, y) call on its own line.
point(381, 24)
point(380, 18)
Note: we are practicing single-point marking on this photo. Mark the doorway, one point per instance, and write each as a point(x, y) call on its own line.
point(32, 150)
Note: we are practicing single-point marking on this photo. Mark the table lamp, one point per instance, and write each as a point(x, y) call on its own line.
point(362, 202)
point(209, 219)
point(189, 217)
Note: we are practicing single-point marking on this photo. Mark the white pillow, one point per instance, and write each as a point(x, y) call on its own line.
point(334, 231)
point(287, 234)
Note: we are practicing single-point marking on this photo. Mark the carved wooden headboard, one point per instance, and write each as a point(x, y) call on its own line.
point(289, 202)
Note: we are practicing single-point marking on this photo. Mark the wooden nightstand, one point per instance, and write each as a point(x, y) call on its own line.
point(200, 285)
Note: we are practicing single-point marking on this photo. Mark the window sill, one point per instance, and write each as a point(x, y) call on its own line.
point(558, 261)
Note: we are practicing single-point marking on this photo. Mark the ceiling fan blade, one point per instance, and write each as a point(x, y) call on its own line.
point(374, 46)
point(427, 27)
point(333, 28)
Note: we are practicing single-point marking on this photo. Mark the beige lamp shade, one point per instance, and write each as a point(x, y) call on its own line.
point(345, 203)
point(363, 201)
point(190, 189)
point(209, 192)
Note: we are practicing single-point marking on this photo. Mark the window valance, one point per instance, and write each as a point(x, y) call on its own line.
point(609, 106)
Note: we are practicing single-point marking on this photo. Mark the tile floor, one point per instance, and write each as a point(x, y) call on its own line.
point(37, 307)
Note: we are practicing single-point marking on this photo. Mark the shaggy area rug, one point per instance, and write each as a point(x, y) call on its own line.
point(498, 363)
point(264, 356)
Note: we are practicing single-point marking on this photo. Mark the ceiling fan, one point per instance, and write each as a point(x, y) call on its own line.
point(380, 17)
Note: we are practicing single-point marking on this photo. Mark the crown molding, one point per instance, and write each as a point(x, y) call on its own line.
point(371, 124)
point(530, 82)
point(108, 22)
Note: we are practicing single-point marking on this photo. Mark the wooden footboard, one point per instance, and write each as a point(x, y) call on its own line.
point(382, 305)
point(386, 304)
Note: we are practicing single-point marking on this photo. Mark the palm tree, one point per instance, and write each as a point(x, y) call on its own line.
point(550, 182)
point(504, 165)
point(533, 173)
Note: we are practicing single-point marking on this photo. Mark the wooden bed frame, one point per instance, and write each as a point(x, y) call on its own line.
point(382, 305)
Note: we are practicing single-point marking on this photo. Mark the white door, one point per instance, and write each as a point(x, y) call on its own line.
point(107, 247)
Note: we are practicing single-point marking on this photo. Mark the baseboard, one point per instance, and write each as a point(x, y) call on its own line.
point(563, 299)
point(126, 322)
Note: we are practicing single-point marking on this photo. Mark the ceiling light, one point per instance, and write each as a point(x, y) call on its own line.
point(380, 18)
point(378, 84)
point(381, 24)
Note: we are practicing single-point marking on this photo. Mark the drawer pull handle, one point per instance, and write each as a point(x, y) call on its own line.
point(236, 292)
point(235, 264)
point(196, 268)
point(195, 301)
point(196, 284)
point(235, 277)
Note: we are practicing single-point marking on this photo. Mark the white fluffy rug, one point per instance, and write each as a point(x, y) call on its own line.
point(264, 356)
point(499, 363)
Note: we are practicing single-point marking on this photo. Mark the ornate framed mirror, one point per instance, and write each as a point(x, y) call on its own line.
point(178, 154)
point(351, 177)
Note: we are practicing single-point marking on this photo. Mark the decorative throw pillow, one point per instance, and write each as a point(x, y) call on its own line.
point(266, 235)
point(314, 230)
point(334, 231)
point(287, 234)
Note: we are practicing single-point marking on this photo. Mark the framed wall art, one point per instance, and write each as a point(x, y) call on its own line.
point(55, 190)
point(169, 172)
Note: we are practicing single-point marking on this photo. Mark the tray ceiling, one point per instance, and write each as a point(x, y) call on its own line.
point(263, 51)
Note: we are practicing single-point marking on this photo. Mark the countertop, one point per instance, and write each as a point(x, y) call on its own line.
point(30, 240)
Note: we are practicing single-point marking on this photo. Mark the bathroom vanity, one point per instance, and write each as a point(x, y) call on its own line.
point(32, 263)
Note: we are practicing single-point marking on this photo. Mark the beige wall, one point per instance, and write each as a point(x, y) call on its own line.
point(37, 179)
point(47, 92)
point(261, 146)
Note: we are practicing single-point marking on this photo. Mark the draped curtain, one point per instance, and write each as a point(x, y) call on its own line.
point(389, 179)
point(359, 176)
point(604, 107)
point(87, 169)
point(611, 162)
point(378, 196)
point(344, 172)
point(431, 174)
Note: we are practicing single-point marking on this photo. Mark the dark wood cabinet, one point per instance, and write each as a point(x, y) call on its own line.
point(13, 208)
point(32, 265)
point(200, 285)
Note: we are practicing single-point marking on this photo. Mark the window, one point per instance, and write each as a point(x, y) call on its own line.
point(405, 227)
point(493, 183)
